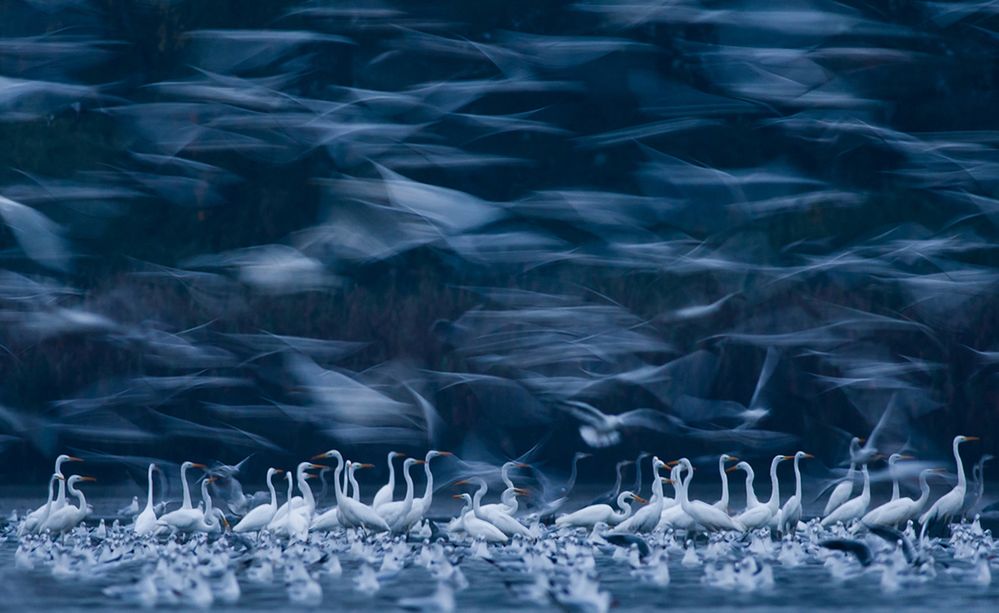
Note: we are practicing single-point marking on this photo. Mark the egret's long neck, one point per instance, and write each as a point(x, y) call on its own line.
point(638, 476)
point(270, 486)
point(62, 482)
point(624, 505)
point(337, 486)
point(408, 501)
point(391, 481)
point(305, 488)
point(186, 488)
point(572, 475)
point(797, 479)
point(924, 491)
point(850, 473)
point(657, 486)
point(724, 482)
point(774, 486)
point(505, 475)
point(291, 489)
point(620, 475)
point(962, 481)
point(682, 492)
point(477, 499)
point(750, 492)
point(894, 481)
point(206, 498)
point(509, 498)
point(866, 494)
point(428, 493)
point(149, 491)
point(48, 504)
point(81, 499)
point(356, 495)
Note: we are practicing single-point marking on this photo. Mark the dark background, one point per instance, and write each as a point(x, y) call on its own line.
point(833, 166)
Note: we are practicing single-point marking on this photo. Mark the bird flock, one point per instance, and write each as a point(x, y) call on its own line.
point(199, 555)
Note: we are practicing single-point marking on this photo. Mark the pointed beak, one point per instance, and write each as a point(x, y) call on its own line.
point(321, 456)
point(462, 482)
point(73, 458)
point(365, 465)
point(420, 462)
point(906, 456)
point(731, 469)
point(808, 456)
point(522, 465)
point(444, 453)
point(278, 471)
point(521, 491)
point(197, 465)
point(88, 478)
point(317, 466)
point(972, 438)
point(639, 499)
point(456, 496)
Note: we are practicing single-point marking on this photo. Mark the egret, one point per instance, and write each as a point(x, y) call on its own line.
point(186, 516)
point(790, 513)
point(422, 505)
point(853, 508)
point(27, 527)
point(508, 499)
point(258, 517)
point(673, 515)
point(842, 492)
point(476, 527)
point(67, 518)
point(387, 491)
point(708, 516)
point(590, 516)
point(499, 518)
point(394, 513)
point(145, 522)
point(901, 510)
point(352, 513)
point(722, 504)
point(949, 505)
point(892, 459)
point(31, 521)
point(751, 499)
point(764, 514)
point(647, 518)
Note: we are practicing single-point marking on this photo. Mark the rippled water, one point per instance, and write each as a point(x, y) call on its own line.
point(491, 587)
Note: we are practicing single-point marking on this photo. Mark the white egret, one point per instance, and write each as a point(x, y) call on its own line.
point(790, 513)
point(897, 512)
point(892, 459)
point(476, 527)
point(495, 516)
point(186, 516)
point(386, 492)
point(421, 506)
point(853, 508)
point(508, 499)
point(949, 505)
point(394, 513)
point(842, 492)
point(647, 518)
point(258, 517)
point(751, 499)
point(590, 516)
point(27, 527)
point(673, 515)
point(352, 513)
point(765, 514)
point(68, 517)
point(145, 522)
point(31, 521)
point(209, 521)
point(708, 516)
point(722, 504)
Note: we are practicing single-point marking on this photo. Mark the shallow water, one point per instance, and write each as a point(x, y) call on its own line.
point(499, 585)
